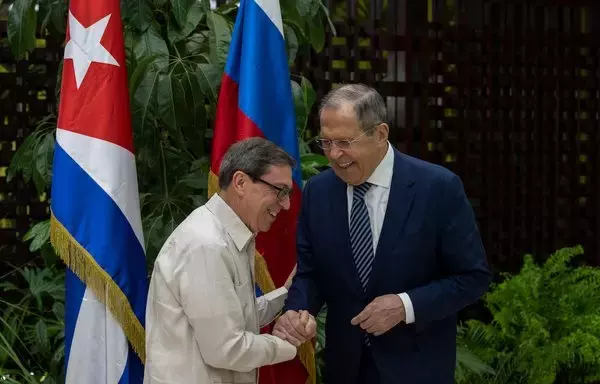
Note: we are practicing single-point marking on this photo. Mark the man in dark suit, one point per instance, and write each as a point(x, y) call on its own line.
point(390, 244)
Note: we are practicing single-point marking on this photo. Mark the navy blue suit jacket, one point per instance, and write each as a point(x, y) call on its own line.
point(429, 247)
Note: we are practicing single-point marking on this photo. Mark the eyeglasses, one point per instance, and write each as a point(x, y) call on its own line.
point(282, 192)
point(326, 144)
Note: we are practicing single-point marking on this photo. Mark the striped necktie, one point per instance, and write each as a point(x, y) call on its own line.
point(361, 238)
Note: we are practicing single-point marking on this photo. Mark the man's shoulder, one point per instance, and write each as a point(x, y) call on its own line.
point(200, 231)
point(426, 170)
point(323, 179)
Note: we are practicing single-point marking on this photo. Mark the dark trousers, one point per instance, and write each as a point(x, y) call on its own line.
point(368, 373)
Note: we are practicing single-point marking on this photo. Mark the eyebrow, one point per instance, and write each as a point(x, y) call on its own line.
point(283, 185)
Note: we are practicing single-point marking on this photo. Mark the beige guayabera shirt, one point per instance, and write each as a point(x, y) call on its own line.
point(202, 317)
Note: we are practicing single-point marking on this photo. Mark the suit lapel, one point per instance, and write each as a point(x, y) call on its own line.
point(343, 250)
point(399, 205)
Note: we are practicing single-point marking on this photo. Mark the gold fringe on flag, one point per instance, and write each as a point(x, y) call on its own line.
point(79, 260)
point(213, 184)
point(306, 352)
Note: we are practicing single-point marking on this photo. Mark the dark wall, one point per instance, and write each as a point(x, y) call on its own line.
point(504, 93)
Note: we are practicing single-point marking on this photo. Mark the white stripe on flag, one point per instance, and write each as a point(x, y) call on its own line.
point(112, 167)
point(273, 11)
point(99, 348)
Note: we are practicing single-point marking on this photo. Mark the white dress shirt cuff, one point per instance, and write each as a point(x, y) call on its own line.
point(277, 294)
point(408, 308)
point(269, 305)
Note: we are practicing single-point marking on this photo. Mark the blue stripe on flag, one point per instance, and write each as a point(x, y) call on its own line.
point(74, 290)
point(134, 370)
point(258, 63)
point(96, 222)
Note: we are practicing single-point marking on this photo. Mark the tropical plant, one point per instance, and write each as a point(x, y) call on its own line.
point(546, 324)
point(175, 52)
point(32, 326)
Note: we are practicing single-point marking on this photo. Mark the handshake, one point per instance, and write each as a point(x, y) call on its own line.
point(295, 327)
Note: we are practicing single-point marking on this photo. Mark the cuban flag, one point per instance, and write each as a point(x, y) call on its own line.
point(255, 99)
point(95, 224)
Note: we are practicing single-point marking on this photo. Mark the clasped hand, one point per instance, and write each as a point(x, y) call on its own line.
point(381, 315)
point(295, 327)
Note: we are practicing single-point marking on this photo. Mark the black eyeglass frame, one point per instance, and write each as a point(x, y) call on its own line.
point(282, 192)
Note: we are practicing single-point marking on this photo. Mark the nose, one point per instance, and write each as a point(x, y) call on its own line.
point(285, 203)
point(335, 152)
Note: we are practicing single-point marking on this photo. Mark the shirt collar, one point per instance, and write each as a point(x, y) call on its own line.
point(234, 226)
point(382, 176)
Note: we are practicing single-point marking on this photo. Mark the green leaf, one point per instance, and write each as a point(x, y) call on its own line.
point(209, 78)
point(316, 32)
point(228, 8)
point(308, 94)
point(22, 20)
point(22, 160)
point(195, 102)
point(304, 7)
point(219, 38)
point(180, 9)
point(151, 43)
point(304, 98)
point(41, 335)
point(291, 16)
point(315, 5)
point(138, 73)
point(39, 233)
point(197, 44)
point(292, 43)
point(58, 15)
point(144, 105)
point(48, 254)
point(138, 13)
point(159, 3)
point(328, 16)
point(314, 159)
point(58, 309)
point(193, 17)
point(43, 163)
point(171, 101)
point(301, 112)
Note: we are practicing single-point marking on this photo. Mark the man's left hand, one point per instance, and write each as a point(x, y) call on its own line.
point(381, 315)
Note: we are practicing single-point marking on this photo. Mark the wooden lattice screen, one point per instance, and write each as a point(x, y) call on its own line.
point(27, 94)
point(504, 93)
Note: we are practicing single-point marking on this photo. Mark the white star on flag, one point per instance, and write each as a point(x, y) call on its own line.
point(84, 47)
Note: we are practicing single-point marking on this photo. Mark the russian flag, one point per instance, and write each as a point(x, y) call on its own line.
point(95, 224)
point(255, 99)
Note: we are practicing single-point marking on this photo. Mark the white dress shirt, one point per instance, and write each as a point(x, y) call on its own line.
point(203, 318)
point(376, 200)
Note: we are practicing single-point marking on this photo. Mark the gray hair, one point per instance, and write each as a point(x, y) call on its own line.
point(252, 156)
point(367, 103)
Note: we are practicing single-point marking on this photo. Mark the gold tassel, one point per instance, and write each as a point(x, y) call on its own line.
point(306, 353)
point(213, 184)
point(78, 259)
point(263, 277)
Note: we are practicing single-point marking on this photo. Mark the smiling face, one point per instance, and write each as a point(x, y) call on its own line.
point(356, 163)
point(259, 200)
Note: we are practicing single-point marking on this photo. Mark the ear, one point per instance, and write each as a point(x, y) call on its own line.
point(239, 182)
point(382, 133)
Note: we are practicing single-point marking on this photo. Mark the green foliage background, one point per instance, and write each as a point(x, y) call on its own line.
point(546, 319)
point(176, 52)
